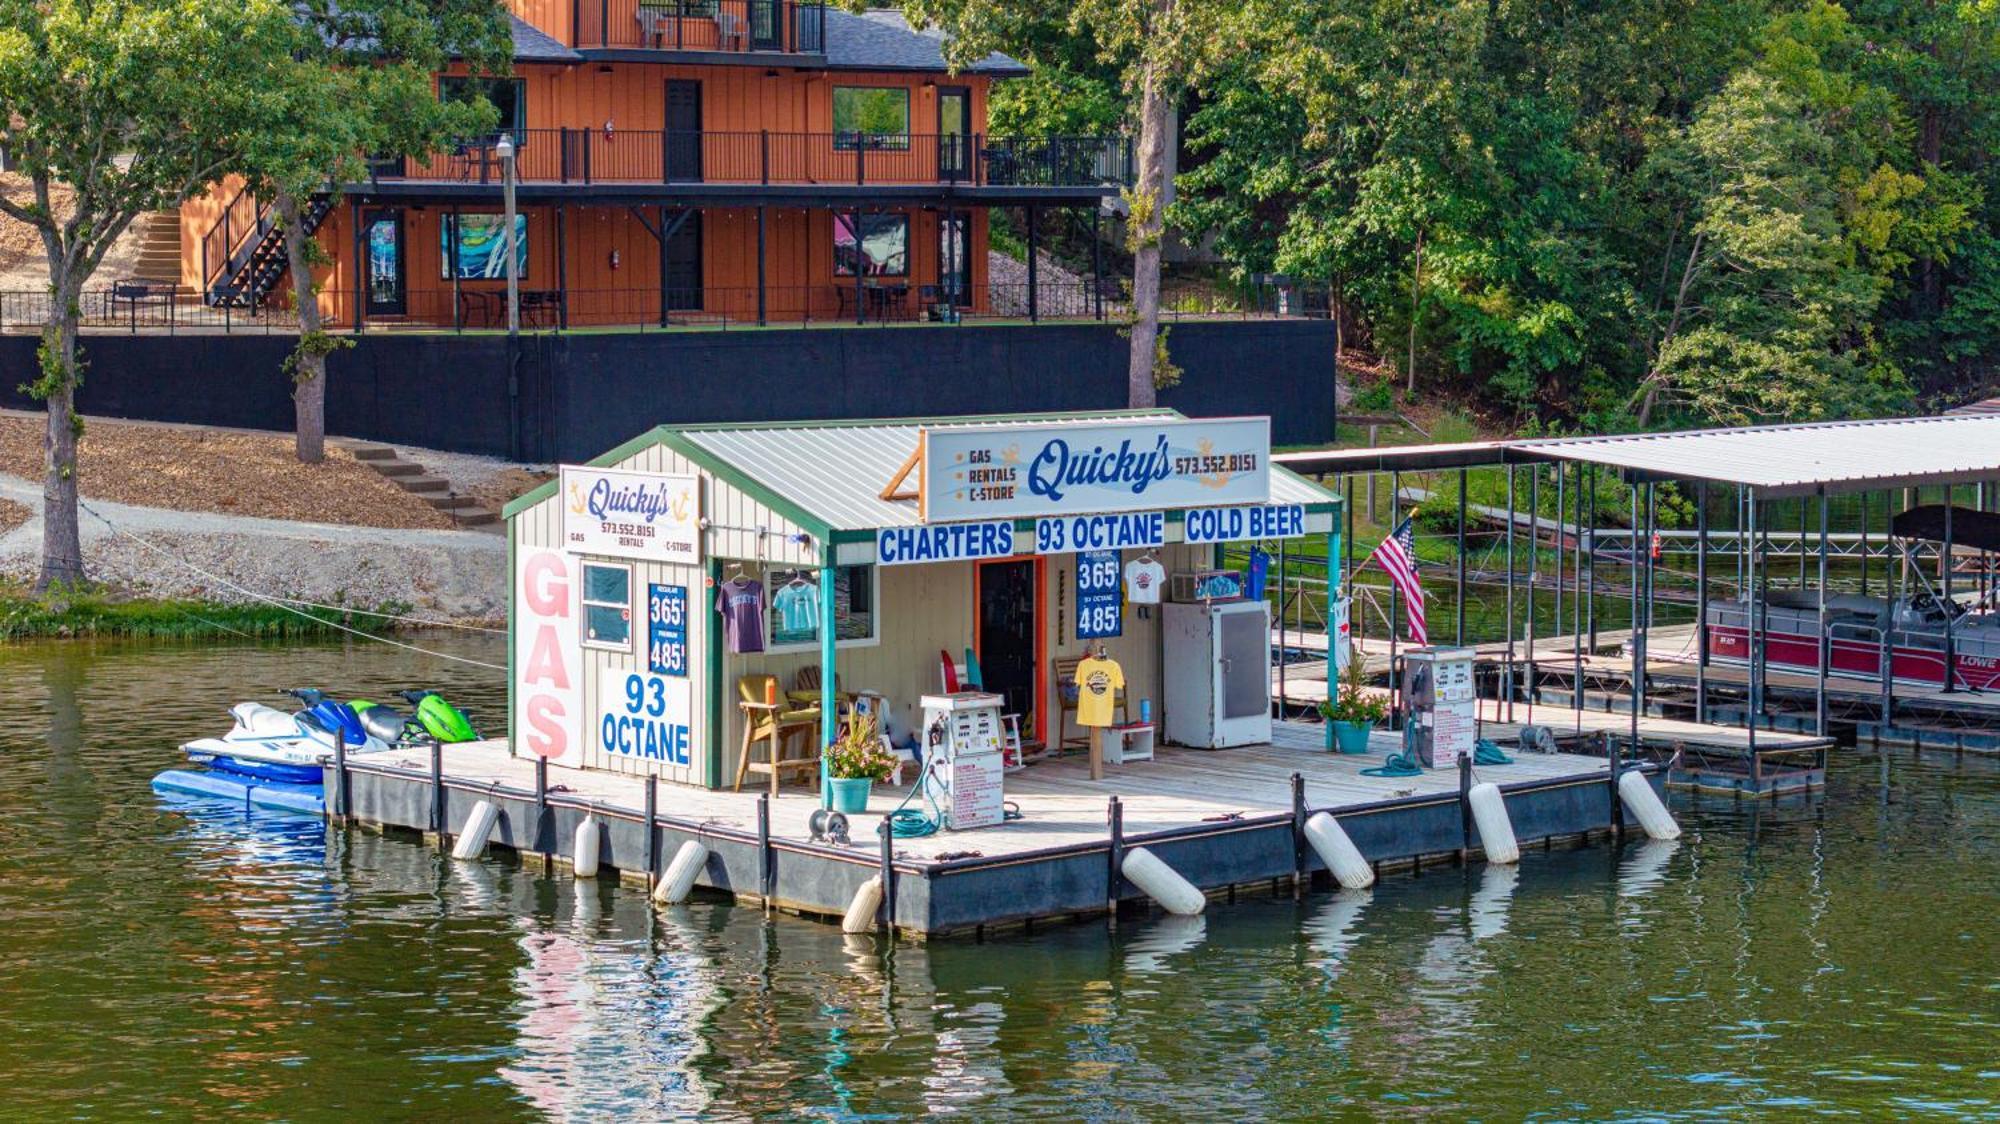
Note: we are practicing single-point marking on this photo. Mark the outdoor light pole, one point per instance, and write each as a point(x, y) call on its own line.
point(505, 150)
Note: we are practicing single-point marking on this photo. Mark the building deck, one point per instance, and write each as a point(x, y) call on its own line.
point(1222, 818)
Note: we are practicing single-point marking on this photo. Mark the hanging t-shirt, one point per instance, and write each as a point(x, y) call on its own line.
point(796, 605)
point(741, 604)
point(1260, 565)
point(1097, 684)
point(1144, 579)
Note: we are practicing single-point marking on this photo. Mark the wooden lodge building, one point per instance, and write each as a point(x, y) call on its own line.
point(685, 162)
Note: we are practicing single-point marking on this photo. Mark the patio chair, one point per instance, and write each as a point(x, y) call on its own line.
point(653, 16)
point(1066, 697)
point(729, 31)
point(774, 725)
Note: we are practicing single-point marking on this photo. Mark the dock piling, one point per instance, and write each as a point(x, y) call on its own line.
point(764, 849)
point(1617, 810)
point(1464, 806)
point(651, 829)
point(888, 876)
point(1298, 834)
point(340, 806)
point(437, 788)
point(542, 832)
point(1115, 813)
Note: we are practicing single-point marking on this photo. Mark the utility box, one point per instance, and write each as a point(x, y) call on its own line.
point(1217, 678)
point(963, 739)
point(1440, 706)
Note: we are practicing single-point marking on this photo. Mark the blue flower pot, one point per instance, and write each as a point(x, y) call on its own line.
point(1349, 737)
point(850, 794)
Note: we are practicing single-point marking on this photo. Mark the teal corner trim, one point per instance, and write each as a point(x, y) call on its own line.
point(712, 640)
point(829, 677)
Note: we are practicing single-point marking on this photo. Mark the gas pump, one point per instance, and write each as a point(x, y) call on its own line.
point(1440, 717)
point(963, 739)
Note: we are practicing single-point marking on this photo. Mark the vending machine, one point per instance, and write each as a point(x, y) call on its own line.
point(963, 740)
point(1440, 706)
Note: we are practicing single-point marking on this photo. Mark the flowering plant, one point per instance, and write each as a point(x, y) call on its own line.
point(859, 753)
point(1355, 702)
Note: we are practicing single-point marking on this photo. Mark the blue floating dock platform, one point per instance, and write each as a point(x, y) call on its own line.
point(303, 799)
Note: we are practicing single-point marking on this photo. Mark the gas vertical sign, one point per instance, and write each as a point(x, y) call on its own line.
point(548, 663)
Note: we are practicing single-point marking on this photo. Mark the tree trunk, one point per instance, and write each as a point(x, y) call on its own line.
point(309, 358)
point(1416, 297)
point(62, 539)
point(1151, 222)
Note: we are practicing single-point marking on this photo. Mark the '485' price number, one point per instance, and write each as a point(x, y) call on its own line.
point(666, 629)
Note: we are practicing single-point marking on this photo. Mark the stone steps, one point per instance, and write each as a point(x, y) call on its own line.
point(411, 477)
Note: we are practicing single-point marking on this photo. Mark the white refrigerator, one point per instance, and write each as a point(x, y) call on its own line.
point(1217, 682)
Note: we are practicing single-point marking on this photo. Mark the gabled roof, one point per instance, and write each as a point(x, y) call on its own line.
point(884, 40)
point(533, 45)
point(787, 465)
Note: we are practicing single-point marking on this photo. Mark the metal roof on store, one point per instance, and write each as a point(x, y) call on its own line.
point(837, 470)
point(1776, 460)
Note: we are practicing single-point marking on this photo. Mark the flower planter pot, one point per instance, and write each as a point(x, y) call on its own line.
point(1349, 737)
point(850, 794)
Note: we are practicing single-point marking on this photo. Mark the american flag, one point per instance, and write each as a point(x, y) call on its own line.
point(1398, 556)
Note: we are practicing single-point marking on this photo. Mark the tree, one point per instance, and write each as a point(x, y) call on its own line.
point(131, 106)
point(356, 85)
point(1161, 49)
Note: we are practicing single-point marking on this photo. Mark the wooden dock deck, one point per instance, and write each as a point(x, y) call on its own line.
point(1223, 818)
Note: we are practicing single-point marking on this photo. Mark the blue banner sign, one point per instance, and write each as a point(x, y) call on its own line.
point(1099, 603)
point(944, 542)
point(1234, 524)
point(667, 629)
point(1136, 531)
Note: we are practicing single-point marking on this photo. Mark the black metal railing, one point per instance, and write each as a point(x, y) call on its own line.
point(612, 155)
point(480, 306)
point(729, 26)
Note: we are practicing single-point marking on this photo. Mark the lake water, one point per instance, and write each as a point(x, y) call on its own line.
point(1838, 954)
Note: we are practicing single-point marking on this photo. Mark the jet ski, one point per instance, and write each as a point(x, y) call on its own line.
point(271, 745)
point(431, 718)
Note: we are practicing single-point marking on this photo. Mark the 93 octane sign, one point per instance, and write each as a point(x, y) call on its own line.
point(650, 516)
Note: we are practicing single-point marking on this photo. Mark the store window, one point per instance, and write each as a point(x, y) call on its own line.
point(872, 115)
point(506, 94)
point(607, 606)
point(793, 620)
point(883, 245)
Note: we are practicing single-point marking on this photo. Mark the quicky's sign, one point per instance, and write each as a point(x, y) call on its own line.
point(651, 516)
point(1016, 471)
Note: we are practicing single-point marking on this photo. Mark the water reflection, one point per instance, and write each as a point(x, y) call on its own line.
point(1823, 953)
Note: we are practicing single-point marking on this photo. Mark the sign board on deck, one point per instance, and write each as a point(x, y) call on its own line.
point(1036, 469)
point(650, 516)
point(645, 717)
point(1234, 524)
point(548, 658)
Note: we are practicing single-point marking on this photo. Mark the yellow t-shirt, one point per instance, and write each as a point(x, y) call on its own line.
point(1097, 684)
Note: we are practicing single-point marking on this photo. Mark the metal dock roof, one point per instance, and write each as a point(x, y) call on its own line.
point(837, 471)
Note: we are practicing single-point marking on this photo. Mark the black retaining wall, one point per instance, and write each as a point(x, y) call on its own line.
point(580, 394)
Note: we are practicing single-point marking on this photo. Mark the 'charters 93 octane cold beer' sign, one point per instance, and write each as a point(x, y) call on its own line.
point(1020, 471)
point(650, 516)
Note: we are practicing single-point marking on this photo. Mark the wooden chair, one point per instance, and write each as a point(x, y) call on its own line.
point(729, 31)
point(954, 677)
point(774, 725)
point(805, 691)
point(1066, 700)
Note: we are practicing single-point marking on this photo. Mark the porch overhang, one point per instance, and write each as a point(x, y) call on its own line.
point(728, 194)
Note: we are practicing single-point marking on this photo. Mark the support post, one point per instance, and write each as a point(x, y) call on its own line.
point(1115, 813)
point(1590, 604)
point(1864, 544)
point(437, 787)
point(1701, 602)
point(562, 266)
point(1507, 666)
point(340, 802)
point(661, 218)
point(1950, 633)
point(1464, 806)
point(1632, 640)
point(888, 867)
point(1281, 629)
point(1534, 575)
point(829, 695)
point(1759, 596)
point(1458, 636)
point(860, 309)
point(1096, 262)
point(360, 269)
point(1612, 756)
point(1562, 517)
point(1825, 648)
point(651, 829)
point(1395, 601)
point(764, 849)
point(543, 836)
point(1298, 834)
point(1034, 285)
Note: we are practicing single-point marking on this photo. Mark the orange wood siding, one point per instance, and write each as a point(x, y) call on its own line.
point(552, 17)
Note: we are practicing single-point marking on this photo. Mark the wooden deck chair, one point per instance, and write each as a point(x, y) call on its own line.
point(775, 725)
point(1066, 696)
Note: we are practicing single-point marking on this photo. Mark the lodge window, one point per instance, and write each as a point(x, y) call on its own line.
point(877, 116)
point(792, 619)
point(883, 247)
point(508, 95)
point(607, 606)
point(478, 244)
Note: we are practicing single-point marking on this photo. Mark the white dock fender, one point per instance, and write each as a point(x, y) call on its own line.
point(1338, 852)
point(1496, 831)
point(472, 841)
point(1643, 802)
point(678, 882)
point(588, 835)
point(860, 917)
point(1162, 883)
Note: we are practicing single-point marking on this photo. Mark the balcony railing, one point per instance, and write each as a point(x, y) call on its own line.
point(613, 156)
point(728, 26)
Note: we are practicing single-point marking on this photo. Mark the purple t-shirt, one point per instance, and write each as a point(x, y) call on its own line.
point(741, 604)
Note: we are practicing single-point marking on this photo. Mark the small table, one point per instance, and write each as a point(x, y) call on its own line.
point(1130, 742)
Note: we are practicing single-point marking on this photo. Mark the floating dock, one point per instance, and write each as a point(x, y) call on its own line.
point(1228, 821)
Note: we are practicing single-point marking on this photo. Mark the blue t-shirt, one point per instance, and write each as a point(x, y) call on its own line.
point(797, 607)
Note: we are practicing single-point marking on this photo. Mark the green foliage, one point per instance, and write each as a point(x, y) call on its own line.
point(859, 753)
point(1355, 701)
point(1376, 397)
point(91, 611)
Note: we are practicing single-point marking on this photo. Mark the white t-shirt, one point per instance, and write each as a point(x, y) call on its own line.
point(1143, 580)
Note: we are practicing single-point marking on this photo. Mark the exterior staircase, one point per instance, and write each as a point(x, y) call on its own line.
point(243, 253)
point(433, 490)
point(160, 249)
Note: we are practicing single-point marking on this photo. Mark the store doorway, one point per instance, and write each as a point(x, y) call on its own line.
point(388, 295)
point(1008, 641)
